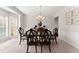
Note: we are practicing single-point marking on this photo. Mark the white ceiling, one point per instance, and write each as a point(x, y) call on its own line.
point(11, 9)
point(45, 10)
point(7, 9)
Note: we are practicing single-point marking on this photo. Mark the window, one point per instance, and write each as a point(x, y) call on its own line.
point(12, 25)
point(8, 24)
point(2, 26)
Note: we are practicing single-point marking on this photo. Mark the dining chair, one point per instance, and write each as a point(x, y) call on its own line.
point(22, 35)
point(31, 39)
point(46, 39)
point(55, 35)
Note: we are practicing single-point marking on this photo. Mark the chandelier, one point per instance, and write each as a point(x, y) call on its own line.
point(40, 17)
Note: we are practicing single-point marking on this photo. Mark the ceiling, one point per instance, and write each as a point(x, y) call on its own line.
point(11, 9)
point(7, 9)
point(35, 10)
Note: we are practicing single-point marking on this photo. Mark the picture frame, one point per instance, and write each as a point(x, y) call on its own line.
point(76, 16)
point(68, 17)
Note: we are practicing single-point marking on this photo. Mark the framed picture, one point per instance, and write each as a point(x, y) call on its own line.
point(68, 17)
point(76, 16)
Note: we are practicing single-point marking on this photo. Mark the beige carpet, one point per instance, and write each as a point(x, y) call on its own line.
point(12, 46)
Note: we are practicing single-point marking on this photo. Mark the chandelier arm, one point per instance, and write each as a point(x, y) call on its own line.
point(40, 17)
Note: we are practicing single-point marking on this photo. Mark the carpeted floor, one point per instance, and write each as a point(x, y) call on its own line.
point(12, 46)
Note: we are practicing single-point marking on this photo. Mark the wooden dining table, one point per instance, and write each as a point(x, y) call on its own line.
point(39, 33)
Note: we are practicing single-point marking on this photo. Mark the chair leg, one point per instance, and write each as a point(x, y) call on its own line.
point(55, 40)
point(27, 48)
point(41, 48)
point(20, 40)
point(49, 48)
point(36, 48)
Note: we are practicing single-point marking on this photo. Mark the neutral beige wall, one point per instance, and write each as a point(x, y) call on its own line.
point(30, 21)
point(68, 33)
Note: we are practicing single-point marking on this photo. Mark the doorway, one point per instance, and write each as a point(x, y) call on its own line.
point(57, 25)
point(56, 22)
